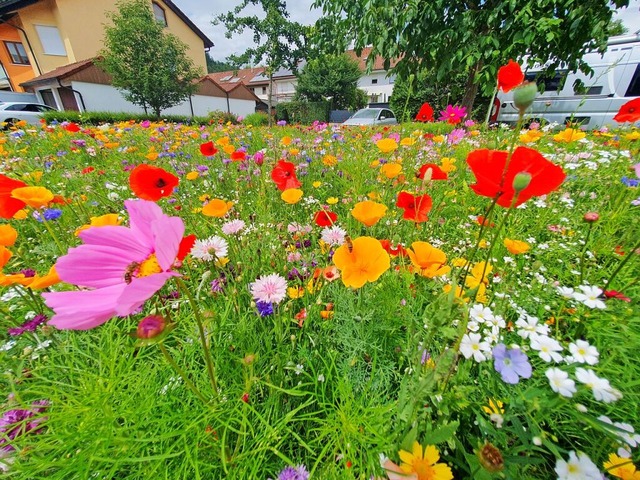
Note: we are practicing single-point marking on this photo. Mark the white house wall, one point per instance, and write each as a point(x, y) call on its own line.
point(105, 98)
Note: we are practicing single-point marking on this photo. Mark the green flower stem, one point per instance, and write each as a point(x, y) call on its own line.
point(483, 230)
point(182, 373)
point(63, 250)
point(621, 265)
point(584, 251)
point(203, 338)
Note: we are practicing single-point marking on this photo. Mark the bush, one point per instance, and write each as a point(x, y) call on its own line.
point(97, 118)
point(303, 112)
point(258, 119)
point(222, 117)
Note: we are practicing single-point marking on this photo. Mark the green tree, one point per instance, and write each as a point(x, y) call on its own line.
point(474, 37)
point(149, 66)
point(217, 65)
point(330, 76)
point(280, 43)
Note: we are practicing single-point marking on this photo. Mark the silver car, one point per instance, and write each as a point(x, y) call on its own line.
point(12, 112)
point(372, 116)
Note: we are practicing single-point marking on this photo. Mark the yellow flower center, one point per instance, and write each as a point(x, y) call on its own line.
point(149, 266)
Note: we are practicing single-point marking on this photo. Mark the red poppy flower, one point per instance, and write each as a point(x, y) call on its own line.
point(436, 172)
point(425, 114)
point(615, 294)
point(238, 156)
point(629, 112)
point(415, 207)
point(207, 149)
point(284, 174)
point(152, 183)
point(186, 244)
point(484, 222)
point(398, 250)
point(87, 170)
point(510, 76)
point(495, 179)
point(325, 218)
point(72, 127)
point(9, 205)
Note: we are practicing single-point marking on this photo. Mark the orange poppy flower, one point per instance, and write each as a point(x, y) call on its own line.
point(391, 170)
point(629, 112)
point(291, 195)
point(152, 183)
point(5, 255)
point(510, 76)
point(360, 261)
point(51, 278)
point(516, 247)
point(387, 145)
point(217, 208)
point(368, 212)
point(428, 260)
point(8, 235)
point(9, 205)
point(101, 221)
point(415, 207)
point(35, 197)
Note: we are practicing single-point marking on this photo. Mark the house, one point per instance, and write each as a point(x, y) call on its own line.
point(377, 83)
point(50, 34)
point(84, 86)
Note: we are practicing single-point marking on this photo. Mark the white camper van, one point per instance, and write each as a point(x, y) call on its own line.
point(615, 81)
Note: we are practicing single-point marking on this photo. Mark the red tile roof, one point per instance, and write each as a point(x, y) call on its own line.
point(232, 77)
point(364, 55)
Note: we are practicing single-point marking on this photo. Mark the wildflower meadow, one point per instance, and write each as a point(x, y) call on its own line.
point(428, 301)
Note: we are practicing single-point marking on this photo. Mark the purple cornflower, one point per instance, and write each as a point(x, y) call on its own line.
point(17, 422)
point(28, 326)
point(298, 472)
point(264, 308)
point(511, 363)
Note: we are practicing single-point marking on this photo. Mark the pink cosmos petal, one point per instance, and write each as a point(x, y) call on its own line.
point(167, 234)
point(83, 310)
point(117, 237)
point(141, 215)
point(394, 472)
point(139, 291)
point(95, 266)
point(637, 169)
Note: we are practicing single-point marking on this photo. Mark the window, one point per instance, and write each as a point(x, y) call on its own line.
point(264, 90)
point(158, 13)
point(50, 40)
point(634, 86)
point(550, 84)
point(374, 81)
point(17, 53)
point(48, 98)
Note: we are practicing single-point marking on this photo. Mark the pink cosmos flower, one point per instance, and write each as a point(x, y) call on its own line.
point(453, 114)
point(122, 267)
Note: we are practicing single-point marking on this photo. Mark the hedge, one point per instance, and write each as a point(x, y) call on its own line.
point(303, 112)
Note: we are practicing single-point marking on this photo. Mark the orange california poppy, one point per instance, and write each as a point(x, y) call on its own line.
point(8, 235)
point(415, 207)
point(360, 261)
point(5, 255)
point(516, 247)
point(8, 204)
point(428, 260)
point(216, 208)
point(35, 197)
point(368, 212)
point(51, 278)
point(152, 183)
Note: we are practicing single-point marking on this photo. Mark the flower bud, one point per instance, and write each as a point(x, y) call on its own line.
point(524, 95)
point(591, 217)
point(490, 458)
point(521, 181)
point(151, 326)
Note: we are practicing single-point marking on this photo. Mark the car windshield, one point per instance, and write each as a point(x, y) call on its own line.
point(366, 113)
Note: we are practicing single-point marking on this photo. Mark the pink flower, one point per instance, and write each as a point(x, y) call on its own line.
point(453, 114)
point(122, 267)
point(269, 288)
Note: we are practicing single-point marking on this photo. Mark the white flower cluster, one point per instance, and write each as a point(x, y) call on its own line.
point(588, 295)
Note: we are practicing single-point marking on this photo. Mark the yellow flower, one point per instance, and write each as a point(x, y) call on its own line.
point(633, 135)
point(387, 145)
point(35, 197)
point(458, 262)
point(516, 247)
point(494, 407)
point(360, 261)
point(407, 142)
point(221, 142)
point(294, 151)
point(374, 163)
point(569, 135)
point(621, 468)
point(316, 184)
point(20, 215)
point(295, 292)
point(151, 156)
point(391, 170)
point(192, 175)
point(531, 136)
point(36, 175)
point(101, 221)
point(368, 212)
point(8, 235)
point(329, 160)
point(217, 208)
point(424, 464)
point(291, 195)
point(447, 165)
point(438, 139)
point(332, 200)
point(429, 261)
point(476, 277)
point(228, 149)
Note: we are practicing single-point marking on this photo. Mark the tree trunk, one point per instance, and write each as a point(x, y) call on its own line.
point(471, 88)
point(270, 99)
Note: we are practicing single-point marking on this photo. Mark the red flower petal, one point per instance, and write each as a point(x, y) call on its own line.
point(186, 244)
point(510, 76)
point(425, 114)
point(629, 112)
point(152, 183)
point(207, 149)
point(284, 174)
point(8, 205)
point(325, 218)
point(436, 172)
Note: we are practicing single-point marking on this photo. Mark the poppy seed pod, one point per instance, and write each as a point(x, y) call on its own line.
point(521, 181)
point(524, 95)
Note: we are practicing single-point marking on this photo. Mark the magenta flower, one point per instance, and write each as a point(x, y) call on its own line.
point(453, 114)
point(121, 266)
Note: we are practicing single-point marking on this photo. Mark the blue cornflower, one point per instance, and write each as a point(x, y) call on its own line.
point(51, 214)
point(298, 472)
point(630, 182)
point(511, 363)
point(264, 309)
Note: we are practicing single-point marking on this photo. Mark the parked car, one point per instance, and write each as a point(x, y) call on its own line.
point(12, 112)
point(372, 116)
point(591, 101)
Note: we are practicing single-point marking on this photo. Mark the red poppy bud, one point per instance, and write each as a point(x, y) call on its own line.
point(245, 397)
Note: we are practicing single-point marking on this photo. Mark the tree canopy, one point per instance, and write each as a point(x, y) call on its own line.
point(334, 76)
point(150, 66)
point(471, 36)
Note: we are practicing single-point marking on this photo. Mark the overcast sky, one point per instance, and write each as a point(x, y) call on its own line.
point(202, 13)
